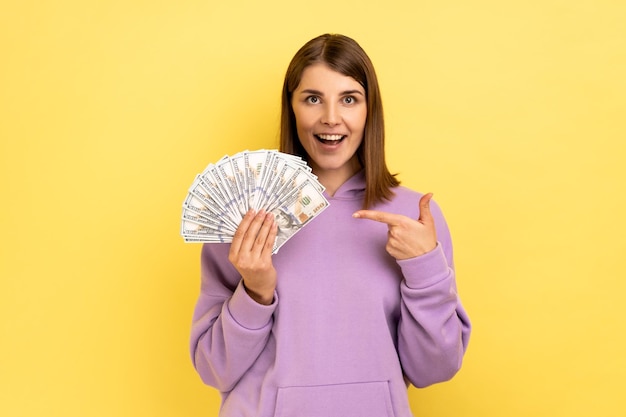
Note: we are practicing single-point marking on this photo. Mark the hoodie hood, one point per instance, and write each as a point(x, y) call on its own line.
point(352, 189)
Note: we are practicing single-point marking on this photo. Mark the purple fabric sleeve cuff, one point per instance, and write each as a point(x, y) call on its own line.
point(247, 312)
point(425, 270)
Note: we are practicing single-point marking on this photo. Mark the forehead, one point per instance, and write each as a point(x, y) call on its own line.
point(321, 77)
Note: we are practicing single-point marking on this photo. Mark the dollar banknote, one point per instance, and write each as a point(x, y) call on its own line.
point(279, 183)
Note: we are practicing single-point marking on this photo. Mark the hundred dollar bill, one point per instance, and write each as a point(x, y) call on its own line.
point(208, 195)
point(226, 175)
point(295, 160)
point(193, 204)
point(211, 223)
point(292, 180)
point(302, 204)
point(279, 169)
point(268, 172)
point(239, 171)
point(217, 186)
point(203, 233)
point(259, 163)
point(212, 185)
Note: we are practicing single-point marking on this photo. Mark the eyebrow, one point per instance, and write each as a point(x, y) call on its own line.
point(343, 93)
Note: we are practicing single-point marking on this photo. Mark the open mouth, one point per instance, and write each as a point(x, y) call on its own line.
point(330, 139)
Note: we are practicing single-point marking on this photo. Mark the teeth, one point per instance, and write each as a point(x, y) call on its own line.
point(330, 137)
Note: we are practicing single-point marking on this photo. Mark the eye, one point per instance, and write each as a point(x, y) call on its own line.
point(349, 100)
point(312, 99)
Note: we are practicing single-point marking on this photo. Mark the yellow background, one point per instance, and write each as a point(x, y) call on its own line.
point(512, 113)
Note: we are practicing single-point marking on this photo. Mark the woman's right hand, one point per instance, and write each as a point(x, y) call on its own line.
point(251, 254)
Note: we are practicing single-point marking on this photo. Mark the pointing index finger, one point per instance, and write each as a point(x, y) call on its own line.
point(378, 216)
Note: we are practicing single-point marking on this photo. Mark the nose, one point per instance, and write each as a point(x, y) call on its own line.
point(331, 115)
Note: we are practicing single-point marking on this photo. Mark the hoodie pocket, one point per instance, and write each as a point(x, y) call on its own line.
point(368, 399)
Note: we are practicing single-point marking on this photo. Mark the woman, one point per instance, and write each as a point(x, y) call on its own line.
point(355, 306)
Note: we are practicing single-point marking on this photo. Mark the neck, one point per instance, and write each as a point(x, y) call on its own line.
point(332, 179)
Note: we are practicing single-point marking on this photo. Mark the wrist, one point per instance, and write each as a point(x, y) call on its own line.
point(262, 297)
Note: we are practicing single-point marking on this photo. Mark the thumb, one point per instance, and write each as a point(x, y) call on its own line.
point(425, 214)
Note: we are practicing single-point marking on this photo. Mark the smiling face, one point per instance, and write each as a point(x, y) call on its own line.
point(330, 111)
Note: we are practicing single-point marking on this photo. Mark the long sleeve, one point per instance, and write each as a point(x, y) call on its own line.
point(434, 329)
point(229, 329)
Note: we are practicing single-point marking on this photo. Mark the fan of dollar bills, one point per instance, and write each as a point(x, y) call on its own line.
point(277, 182)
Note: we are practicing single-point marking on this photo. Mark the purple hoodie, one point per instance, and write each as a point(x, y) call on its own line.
point(349, 325)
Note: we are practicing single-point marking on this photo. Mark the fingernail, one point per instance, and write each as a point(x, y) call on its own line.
point(356, 215)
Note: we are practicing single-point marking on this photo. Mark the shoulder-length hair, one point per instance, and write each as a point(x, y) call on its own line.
point(344, 55)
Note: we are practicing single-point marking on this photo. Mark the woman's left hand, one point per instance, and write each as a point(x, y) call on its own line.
point(407, 237)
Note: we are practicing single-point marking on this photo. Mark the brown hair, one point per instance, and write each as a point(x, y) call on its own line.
point(344, 55)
